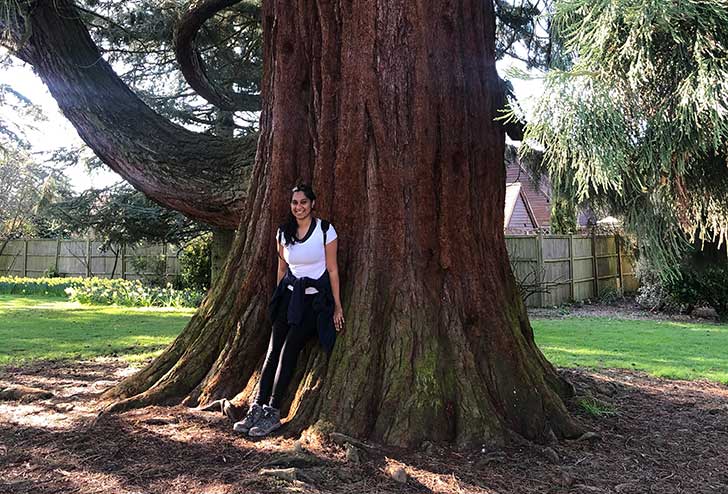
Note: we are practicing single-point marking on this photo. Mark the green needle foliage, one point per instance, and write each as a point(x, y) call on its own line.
point(639, 123)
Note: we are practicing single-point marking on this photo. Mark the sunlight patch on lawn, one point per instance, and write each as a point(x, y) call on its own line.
point(54, 330)
point(677, 350)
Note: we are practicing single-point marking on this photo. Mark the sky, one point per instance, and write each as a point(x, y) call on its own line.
point(57, 132)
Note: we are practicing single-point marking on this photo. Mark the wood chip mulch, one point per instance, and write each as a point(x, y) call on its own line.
point(650, 436)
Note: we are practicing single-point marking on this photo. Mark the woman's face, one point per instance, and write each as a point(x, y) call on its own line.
point(301, 205)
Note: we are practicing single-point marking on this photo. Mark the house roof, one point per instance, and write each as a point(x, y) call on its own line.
point(528, 203)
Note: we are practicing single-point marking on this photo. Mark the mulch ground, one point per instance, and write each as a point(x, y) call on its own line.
point(622, 308)
point(654, 436)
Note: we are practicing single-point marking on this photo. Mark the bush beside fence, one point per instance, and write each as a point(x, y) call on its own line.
point(103, 291)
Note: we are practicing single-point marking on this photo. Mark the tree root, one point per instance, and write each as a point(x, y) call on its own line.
point(224, 406)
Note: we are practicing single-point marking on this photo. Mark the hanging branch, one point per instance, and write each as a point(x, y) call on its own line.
point(192, 65)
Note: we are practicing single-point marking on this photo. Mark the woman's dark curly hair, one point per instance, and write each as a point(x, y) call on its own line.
point(290, 227)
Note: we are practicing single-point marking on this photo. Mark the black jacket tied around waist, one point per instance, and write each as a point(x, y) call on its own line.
point(323, 305)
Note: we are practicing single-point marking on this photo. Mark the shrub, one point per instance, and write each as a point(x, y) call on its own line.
point(51, 272)
point(195, 263)
point(702, 286)
point(131, 293)
point(609, 295)
point(652, 294)
point(54, 287)
point(698, 284)
point(152, 270)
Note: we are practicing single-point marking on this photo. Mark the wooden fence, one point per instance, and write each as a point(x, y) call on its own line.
point(554, 269)
point(34, 257)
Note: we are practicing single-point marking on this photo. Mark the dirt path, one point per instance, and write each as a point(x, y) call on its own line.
point(657, 436)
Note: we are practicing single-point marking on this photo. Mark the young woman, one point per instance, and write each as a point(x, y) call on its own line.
point(305, 303)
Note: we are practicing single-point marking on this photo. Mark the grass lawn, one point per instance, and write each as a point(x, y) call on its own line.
point(676, 350)
point(36, 328)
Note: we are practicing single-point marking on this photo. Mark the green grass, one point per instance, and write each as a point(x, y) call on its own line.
point(45, 328)
point(675, 350)
point(596, 408)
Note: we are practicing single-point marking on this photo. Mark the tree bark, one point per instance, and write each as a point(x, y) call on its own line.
point(201, 175)
point(222, 242)
point(388, 107)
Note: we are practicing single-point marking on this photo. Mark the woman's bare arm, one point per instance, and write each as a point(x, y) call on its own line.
point(282, 265)
point(333, 269)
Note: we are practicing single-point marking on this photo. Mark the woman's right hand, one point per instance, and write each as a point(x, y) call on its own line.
point(339, 318)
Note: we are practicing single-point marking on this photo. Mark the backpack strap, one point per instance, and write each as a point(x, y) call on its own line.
point(325, 228)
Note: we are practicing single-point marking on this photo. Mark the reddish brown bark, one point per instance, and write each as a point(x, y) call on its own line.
point(388, 107)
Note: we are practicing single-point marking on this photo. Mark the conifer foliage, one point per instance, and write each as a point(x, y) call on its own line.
point(639, 121)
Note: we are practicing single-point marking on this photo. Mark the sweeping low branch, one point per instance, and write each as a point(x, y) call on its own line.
point(192, 65)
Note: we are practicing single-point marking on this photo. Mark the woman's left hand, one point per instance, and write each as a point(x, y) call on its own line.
point(338, 318)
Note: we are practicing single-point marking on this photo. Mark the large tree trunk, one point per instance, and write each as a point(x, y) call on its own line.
point(388, 108)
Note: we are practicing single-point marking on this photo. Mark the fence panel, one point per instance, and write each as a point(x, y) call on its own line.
point(41, 257)
point(35, 257)
point(629, 276)
point(556, 269)
point(562, 268)
point(72, 258)
point(12, 258)
point(523, 252)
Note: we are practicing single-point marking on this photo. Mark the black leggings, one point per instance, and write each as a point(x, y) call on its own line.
point(285, 344)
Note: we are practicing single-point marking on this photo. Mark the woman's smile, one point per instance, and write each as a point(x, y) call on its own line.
point(300, 205)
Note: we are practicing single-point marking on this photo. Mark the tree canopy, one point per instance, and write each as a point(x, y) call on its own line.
point(152, 42)
point(639, 121)
point(24, 185)
point(116, 215)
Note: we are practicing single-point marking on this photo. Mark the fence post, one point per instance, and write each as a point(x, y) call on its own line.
point(25, 258)
point(58, 255)
point(88, 258)
point(618, 240)
point(595, 264)
point(123, 261)
point(164, 256)
point(572, 287)
point(539, 268)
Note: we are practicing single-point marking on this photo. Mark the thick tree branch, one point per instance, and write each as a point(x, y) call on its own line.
point(192, 65)
point(203, 176)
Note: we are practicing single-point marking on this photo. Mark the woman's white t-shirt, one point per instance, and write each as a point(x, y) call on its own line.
point(307, 258)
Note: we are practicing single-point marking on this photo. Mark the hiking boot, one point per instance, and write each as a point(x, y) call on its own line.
point(268, 422)
point(251, 418)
